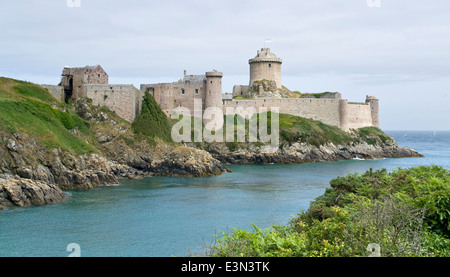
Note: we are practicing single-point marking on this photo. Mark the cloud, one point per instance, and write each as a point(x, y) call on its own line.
point(323, 43)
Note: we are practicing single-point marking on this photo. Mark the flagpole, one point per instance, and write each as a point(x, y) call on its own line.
point(267, 40)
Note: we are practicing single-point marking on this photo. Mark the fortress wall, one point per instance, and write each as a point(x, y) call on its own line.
point(239, 90)
point(375, 110)
point(355, 116)
point(170, 95)
point(56, 91)
point(325, 110)
point(123, 99)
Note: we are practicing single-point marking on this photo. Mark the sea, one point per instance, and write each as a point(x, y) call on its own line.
point(181, 217)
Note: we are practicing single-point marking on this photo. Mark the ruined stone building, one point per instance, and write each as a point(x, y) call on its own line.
point(74, 79)
point(92, 82)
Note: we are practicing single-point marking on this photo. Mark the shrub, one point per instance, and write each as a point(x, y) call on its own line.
point(405, 212)
point(152, 123)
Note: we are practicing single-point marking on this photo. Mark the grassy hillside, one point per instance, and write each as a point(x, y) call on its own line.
point(30, 109)
point(299, 129)
point(294, 128)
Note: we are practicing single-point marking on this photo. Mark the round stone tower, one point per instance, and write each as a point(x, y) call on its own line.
point(213, 89)
point(374, 109)
point(265, 66)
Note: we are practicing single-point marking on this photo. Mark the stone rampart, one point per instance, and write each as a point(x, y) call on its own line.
point(125, 100)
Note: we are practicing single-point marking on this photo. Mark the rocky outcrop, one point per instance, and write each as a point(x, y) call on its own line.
point(15, 191)
point(187, 162)
point(118, 143)
point(164, 159)
point(28, 159)
point(303, 153)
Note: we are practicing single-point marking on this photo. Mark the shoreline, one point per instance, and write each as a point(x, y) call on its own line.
point(21, 191)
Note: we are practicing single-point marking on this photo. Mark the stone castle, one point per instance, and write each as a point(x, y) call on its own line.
point(265, 90)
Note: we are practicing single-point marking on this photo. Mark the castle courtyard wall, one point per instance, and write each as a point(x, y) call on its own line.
point(355, 116)
point(125, 100)
point(325, 110)
point(56, 91)
point(335, 112)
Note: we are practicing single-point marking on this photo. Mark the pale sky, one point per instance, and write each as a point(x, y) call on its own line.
point(398, 51)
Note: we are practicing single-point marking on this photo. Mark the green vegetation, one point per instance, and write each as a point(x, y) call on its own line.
point(152, 123)
point(405, 212)
point(299, 129)
point(30, 109)
point(318, 95)
point(358, 103)
point(243, 97)
point(294, 128)
point(369, 133)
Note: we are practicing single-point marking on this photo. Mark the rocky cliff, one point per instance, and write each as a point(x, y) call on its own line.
point(301, 152)
point(16, 191)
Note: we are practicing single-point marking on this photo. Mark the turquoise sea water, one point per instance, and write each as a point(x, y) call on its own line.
point(166, 216)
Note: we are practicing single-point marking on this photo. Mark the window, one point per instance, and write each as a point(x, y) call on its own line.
point(183, 91)
point(98, 75)
point(196, 91)
point(270, 65)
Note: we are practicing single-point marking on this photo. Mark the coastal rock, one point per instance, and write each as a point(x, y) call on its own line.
point(15, 191)
point(304, 153)
point(56, 167)
point(187, 162)
point(163, 159)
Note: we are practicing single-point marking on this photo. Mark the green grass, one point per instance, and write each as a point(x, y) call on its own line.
point(30, 109)
point(370, 133)
point(295, 128)
point(299, 129)
point(318, 95)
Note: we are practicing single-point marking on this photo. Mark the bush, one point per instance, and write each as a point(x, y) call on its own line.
point(405, 212)
point(152, 123)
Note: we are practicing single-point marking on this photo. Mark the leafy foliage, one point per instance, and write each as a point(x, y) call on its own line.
point(152, 123)
point(405, 212)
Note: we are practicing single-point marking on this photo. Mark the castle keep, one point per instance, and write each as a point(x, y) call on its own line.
point(264, 90)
